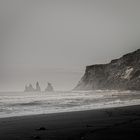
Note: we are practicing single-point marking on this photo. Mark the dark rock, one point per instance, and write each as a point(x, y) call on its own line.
point(36, 137)
point(41, 128)
point(119, 74)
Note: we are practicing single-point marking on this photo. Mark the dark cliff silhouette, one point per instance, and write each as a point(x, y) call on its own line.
point(119, 74)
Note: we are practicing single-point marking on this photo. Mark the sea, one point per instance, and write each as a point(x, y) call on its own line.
point(30, 103)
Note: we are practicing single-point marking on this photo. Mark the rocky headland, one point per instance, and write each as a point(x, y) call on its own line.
point(119, 74)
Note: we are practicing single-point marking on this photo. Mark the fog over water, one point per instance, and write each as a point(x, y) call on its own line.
point(53, 40)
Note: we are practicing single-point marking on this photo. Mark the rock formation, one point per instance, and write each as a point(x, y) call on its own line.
point(119, 74)
point(29, 88)
point(49, 88)
point(38, 89)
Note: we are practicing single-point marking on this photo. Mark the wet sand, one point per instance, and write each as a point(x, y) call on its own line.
point(101, 124)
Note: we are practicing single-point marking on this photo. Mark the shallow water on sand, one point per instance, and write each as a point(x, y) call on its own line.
point(21, 103)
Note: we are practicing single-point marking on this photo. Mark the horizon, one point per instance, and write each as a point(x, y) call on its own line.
point(43, 89)
point(53, 41)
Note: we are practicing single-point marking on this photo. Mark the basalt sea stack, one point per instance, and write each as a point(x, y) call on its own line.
point(119, 74)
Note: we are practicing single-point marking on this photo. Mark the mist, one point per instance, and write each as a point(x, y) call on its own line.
point(53, 41)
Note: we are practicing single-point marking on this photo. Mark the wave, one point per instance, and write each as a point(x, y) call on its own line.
point(17, 104)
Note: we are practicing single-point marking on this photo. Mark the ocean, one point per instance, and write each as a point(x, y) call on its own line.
point(21, 103)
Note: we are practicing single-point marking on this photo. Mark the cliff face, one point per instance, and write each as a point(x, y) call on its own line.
point(119, 74)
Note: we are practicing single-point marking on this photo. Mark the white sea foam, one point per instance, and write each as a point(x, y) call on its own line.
point(20, 103)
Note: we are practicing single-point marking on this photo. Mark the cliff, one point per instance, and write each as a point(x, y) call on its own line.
point(119, 74)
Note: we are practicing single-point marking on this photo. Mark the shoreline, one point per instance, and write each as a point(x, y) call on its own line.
point(121, 122)
point(121, 105)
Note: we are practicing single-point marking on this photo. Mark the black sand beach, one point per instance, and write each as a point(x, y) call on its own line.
point(105, 124)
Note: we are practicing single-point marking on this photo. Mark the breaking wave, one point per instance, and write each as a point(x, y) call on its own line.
point(20, 103)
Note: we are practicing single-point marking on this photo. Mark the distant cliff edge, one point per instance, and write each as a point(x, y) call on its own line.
point(119, 74)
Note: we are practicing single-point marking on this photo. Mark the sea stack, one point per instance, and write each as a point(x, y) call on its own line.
point(119, 74)
point(38, 89)
point(29, 88)
point(49, 88)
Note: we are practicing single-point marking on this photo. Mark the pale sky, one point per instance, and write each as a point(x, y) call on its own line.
point(53, 40)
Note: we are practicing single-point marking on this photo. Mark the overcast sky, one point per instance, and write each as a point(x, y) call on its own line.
point(53, 40)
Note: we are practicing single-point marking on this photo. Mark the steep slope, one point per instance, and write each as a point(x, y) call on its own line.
point(122, 74)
